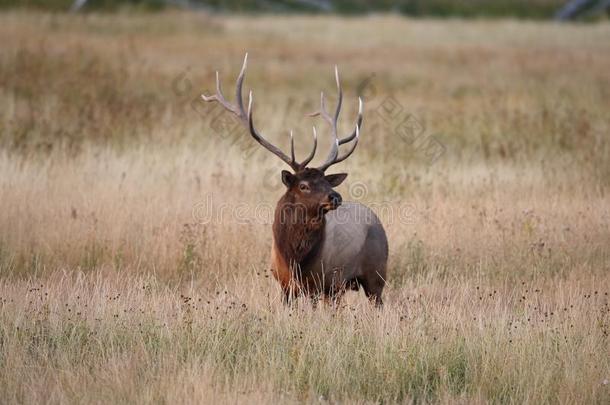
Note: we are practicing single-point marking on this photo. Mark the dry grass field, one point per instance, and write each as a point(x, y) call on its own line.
point(135, 219)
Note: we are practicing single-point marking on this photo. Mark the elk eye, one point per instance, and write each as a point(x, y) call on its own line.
point(303, 187)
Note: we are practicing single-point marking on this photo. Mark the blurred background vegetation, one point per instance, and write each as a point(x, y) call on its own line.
point(539, 9)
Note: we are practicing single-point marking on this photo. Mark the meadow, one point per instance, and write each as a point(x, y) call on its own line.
point(135, 219)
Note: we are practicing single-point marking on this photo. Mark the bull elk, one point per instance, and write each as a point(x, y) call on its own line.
point(321, 247)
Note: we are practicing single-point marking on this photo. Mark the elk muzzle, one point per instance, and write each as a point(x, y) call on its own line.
point(333, 202)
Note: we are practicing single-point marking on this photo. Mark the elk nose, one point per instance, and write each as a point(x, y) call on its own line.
point(335, 198)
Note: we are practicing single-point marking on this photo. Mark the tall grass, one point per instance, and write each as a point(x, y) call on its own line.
point(135, 229)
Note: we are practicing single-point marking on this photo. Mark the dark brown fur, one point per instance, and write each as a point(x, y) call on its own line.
point(298, 227)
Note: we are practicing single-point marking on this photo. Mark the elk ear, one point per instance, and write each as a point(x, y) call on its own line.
point(335, 179)
point(288, 178)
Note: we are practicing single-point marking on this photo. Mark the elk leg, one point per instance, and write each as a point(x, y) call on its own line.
point(373, 289)
point(376, 297)
point(333, 296)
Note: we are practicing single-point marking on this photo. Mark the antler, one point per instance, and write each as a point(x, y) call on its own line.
point(333, 155)
point(247, 120)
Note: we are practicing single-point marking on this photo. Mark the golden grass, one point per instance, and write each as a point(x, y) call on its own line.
point(120, 338)
point(115, 286)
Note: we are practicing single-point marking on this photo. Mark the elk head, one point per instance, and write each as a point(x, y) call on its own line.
point(307, 186)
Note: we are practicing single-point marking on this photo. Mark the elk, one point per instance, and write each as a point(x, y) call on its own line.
point(321, 247)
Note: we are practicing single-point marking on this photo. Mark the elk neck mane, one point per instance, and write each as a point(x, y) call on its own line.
point(297, 233)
